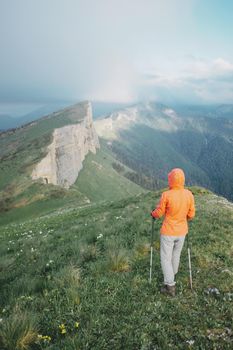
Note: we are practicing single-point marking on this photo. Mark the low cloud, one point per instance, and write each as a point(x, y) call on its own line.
point(218, 69)
point(199, 81)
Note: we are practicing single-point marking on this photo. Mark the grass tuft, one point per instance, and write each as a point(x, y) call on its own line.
point(68, 276)
point(117, 260)
point(18, 332)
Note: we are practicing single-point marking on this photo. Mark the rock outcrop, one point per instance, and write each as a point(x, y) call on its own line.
point(68, 149)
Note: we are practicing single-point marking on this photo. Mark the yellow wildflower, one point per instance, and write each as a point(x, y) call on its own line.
point(46, 338)
point(76, 324)
point(62, 328)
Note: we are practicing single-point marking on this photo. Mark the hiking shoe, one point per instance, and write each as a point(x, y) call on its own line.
point(169, 290)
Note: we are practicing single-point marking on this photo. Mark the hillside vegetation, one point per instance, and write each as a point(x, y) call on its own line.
point(152, 138)
point(77, 278)
point(98, 181)
point(22, 148)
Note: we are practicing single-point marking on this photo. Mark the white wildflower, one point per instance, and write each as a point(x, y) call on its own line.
point(213, 291)
point(227, 271)
point(100, 236)
point(190, 342)
point(50, 262)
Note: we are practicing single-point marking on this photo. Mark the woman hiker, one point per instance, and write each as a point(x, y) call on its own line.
point(177, 205)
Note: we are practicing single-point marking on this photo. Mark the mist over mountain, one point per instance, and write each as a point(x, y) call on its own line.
point(152, 138)
point(99, 100)
point(139, 145)
point(211, 111)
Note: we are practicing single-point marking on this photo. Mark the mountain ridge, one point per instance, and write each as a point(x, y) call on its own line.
point(154, 138)
point(22, 149)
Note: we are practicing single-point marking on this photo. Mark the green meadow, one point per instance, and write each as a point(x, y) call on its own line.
point(76, 277)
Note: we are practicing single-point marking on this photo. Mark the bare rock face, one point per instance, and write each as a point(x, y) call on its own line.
point(67, 151)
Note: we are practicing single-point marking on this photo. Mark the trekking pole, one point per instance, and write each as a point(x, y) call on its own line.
point(151, 247)
point(190, 266)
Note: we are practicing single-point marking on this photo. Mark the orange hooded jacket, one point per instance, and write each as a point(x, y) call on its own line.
point(177, 205)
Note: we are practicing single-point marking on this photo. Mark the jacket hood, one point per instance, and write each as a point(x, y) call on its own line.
point(176, 178)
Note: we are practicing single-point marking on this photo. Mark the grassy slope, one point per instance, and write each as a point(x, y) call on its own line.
point(155, 153)
point(57, 264)
point(98, 180)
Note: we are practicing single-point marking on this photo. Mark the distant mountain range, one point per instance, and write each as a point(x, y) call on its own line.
point(6, 122)
point(9, 122)
point(153, 138)
point(210, 111)
point(139, 146)
point(100, 109)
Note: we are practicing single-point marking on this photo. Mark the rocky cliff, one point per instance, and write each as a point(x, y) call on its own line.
point(68, 149)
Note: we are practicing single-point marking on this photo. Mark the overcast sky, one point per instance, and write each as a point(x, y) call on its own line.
point(116, 50)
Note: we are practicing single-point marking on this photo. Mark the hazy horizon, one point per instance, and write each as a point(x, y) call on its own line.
point(19, 110)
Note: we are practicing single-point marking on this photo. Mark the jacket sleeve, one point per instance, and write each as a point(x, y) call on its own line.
point(161, 207)
point(191, 212)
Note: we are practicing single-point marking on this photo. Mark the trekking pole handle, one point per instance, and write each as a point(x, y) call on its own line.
point(152, 230)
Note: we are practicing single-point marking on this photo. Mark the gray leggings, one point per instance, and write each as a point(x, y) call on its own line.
point(170, 250)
